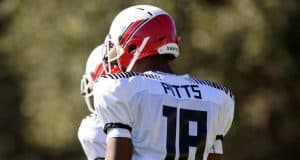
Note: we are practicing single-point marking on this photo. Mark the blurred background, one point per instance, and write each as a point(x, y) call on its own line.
point(251, 46)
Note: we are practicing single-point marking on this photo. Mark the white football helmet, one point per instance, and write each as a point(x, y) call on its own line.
point(140, 31)
point(94, 68)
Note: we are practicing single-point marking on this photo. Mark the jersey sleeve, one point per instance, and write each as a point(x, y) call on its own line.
point(227, 116)
point(113, 101)
point(92, 137)
point(225, 121)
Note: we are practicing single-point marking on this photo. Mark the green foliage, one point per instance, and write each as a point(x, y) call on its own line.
point(249, 45)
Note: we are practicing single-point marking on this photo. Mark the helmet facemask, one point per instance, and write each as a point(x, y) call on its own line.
point(86, 88)
point(114, 54)
point(95, 67)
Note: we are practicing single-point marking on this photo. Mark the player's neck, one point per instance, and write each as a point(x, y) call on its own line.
point(152, 64)
point(162, 68)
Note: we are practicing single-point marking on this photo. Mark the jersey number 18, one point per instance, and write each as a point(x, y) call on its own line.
point(186, 140)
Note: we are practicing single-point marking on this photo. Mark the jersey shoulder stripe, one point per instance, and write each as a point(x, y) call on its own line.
point(214, 85)
point(131, 74)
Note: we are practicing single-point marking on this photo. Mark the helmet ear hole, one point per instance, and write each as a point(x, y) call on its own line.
point(131, 48)
point(161, 38)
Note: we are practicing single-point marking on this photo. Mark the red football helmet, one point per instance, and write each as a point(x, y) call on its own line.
point(141, 31)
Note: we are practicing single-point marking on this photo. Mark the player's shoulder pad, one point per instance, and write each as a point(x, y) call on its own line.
point(226, 90)
point(122, 75)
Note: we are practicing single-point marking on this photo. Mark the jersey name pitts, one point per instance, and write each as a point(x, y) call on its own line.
point(181, 91)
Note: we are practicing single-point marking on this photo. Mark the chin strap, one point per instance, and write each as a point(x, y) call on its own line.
point(137, 54)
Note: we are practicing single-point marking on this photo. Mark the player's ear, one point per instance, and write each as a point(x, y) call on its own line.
point(178, 39)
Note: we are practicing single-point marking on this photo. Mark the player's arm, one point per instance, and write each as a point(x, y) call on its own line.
point(119, 148)
point(113, 104)
point(226, 117)
point(214, 156)
point(216, 151)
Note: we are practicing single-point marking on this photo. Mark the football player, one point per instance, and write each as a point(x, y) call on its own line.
point(90, 133)
point(149, 112)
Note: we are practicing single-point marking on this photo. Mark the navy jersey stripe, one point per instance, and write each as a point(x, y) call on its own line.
point(214, 85)
point(130, 74)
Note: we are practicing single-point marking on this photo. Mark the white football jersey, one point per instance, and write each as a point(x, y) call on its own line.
point(92, 138)
point(167, 116)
